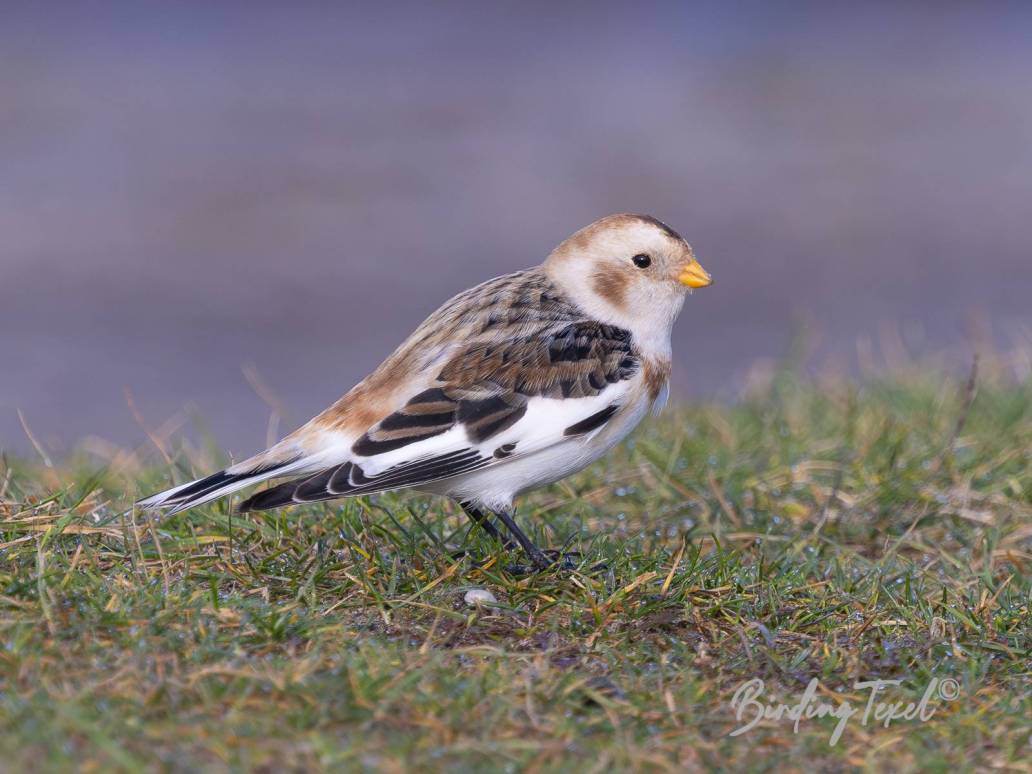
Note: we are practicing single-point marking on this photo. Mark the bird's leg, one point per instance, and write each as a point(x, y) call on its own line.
point(540, 559)
point(536, 557)
point(479, 518)
point(567, 559)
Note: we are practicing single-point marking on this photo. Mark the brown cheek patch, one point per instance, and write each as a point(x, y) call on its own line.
point(611, 286)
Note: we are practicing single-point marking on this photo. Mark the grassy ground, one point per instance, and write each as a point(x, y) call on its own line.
point(828, 532)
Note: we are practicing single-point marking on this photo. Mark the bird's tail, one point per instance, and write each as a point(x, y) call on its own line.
point(258, 468)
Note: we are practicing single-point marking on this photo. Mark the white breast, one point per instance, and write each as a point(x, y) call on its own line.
point(554, 456)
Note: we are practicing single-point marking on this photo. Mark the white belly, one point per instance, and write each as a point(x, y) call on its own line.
point(497, 485)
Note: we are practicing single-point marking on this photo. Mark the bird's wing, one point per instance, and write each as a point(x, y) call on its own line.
point(499, 371)
point(494, 400)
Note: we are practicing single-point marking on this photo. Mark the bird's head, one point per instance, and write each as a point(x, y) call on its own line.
point(628, 270)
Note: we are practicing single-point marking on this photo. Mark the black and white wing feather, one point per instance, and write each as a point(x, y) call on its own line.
point(501, 371)
point(493, 401)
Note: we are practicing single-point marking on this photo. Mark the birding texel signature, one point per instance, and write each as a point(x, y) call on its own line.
point(750, 708)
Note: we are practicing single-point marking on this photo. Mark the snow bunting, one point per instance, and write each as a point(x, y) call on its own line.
point(509, 386)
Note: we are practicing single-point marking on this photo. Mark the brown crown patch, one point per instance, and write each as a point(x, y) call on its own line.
point(661, 226)
point(583, 239)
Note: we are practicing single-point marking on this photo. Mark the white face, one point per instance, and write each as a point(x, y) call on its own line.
point(629, 270)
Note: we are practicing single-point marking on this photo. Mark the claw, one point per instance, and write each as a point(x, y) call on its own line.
point(567, 561)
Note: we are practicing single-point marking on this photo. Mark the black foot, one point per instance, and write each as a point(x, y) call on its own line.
point(539, 560)
point(559, 560)
point(568, 560)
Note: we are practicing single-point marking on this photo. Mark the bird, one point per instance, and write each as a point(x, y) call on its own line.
point(509, 386)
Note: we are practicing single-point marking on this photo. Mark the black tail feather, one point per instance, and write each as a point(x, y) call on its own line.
point(202, 488)
point(198, 489)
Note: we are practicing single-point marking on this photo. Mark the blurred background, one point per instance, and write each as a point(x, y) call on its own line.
point(212, 207)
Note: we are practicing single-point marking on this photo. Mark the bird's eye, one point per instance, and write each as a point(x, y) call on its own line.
point(642, 261)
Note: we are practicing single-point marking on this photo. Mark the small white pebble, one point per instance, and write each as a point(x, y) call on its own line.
point(476, 597)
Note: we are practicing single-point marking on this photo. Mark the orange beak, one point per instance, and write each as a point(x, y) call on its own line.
point(694, 276)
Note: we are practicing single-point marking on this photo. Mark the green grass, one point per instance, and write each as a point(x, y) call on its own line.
point(811, 530)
